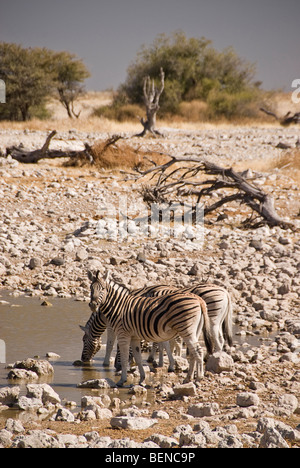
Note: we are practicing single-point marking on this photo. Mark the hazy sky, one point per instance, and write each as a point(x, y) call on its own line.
point(108, 34)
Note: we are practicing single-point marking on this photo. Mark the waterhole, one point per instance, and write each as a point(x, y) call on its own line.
point(29, 329)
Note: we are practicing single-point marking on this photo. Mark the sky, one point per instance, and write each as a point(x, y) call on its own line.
point(107, 35)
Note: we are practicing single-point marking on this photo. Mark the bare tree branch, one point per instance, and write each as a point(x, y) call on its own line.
point(285, 121)
point(173, 179)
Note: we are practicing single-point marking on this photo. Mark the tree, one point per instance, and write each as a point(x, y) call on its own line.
point(70, 74)
point(193, 70)
point(27, 82)
point(32, 75)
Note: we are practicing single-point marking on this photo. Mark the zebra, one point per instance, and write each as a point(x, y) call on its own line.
point(96, 326)
point(155, 319)
point(219, 307)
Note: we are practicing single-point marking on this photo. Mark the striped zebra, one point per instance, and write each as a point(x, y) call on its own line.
point(219, 310)
point(95, 327)
point(155, 319)
point(219, 307)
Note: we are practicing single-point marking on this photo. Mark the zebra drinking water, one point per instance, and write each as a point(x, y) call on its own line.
point(93, 331)
point(156, 319)
point(219, 308)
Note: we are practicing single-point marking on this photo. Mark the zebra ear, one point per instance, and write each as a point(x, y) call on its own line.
point(98, 275)
point(84, 329)
point(90, 275)
point(106, 276)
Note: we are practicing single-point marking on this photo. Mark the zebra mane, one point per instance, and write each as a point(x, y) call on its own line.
point(117, 286)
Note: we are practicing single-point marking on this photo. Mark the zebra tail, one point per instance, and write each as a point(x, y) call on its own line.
point(227, 324)
point(208, 340)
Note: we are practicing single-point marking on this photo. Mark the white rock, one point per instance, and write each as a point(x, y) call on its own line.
point(139, 423)
point(246, 399)
point(219, 362)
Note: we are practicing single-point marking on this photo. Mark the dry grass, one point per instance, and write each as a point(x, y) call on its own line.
point(192, 116)
point(288, 163)
point(115, 155)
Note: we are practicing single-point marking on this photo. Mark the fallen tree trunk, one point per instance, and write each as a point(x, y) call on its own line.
point(26, 156)
point(173, 180)
point(285, 121)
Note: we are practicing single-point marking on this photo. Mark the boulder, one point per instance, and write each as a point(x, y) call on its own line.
point(272, 439)
point(199, 410)
point(246, 399)
point(44, 392)
point(188, 389)
point(40, 367)
point(163, 441)
point(64, 415)
point(98, 383)
point(9, 395)
point(36, 439)
point(22, 374)
point(135, 424)
point(219, 362)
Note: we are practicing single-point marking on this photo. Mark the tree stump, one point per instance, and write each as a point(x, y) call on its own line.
point(151, 99)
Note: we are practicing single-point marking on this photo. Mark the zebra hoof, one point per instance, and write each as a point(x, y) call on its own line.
point(171, 369)
point(187, 380)
point(120, 384)
point(79, 363)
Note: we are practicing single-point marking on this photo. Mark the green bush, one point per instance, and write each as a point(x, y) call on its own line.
point(121, 113)
point(223, 104)
point(194, 70)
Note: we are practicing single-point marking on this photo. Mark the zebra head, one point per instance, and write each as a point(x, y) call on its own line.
point(98, 291)
point(91, 345)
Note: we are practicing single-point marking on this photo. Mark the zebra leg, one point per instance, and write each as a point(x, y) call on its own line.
point(161, 347)
point(136, 349)
point(216, 337)
point(111, 337)
point(166, 345)
point(151, 357)
point(124, 345)
point(196, 357)
point(221, 339)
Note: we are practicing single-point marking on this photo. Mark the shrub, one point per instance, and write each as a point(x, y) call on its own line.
point(194, 70)
point(221, 103)
point(121, 113)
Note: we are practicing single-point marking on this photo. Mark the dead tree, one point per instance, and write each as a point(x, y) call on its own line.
point(151, 99)
point(23, 155)
point(177, 179)
point(285, 121)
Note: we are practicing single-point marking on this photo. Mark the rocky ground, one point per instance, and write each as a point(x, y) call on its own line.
point(57, 222)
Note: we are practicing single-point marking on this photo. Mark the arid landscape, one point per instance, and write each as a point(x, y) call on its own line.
point(59, 219)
